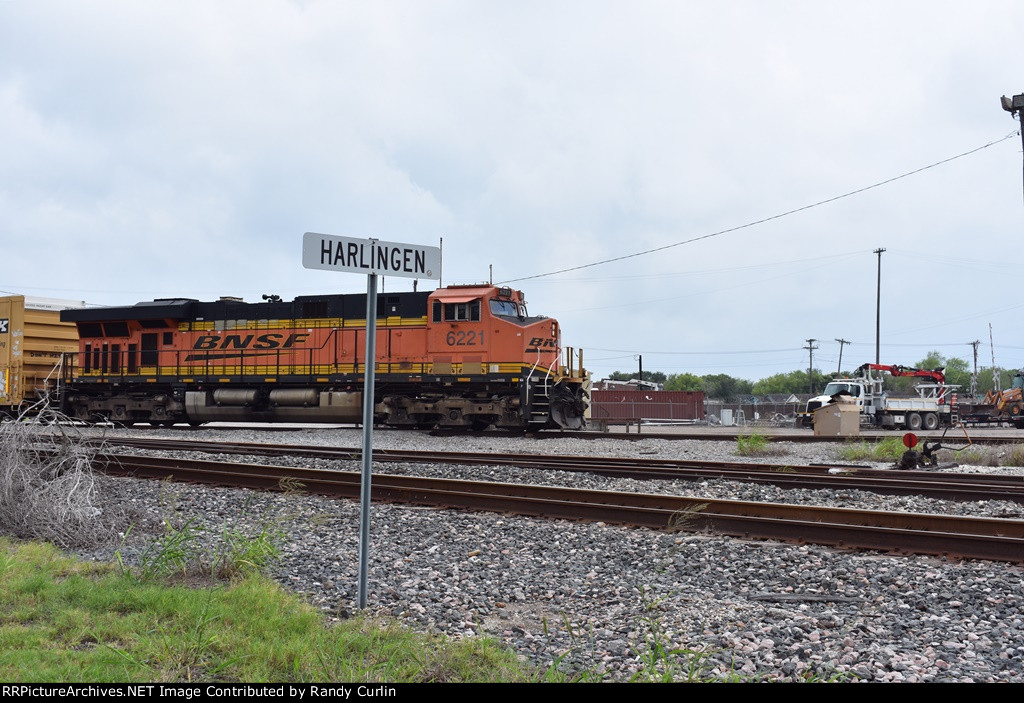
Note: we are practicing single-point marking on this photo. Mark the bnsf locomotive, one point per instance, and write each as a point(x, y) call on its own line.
point(461, 356)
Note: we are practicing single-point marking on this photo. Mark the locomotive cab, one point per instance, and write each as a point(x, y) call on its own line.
point(480, 328)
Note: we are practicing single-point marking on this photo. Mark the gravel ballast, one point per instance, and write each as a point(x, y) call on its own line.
point(599, 597)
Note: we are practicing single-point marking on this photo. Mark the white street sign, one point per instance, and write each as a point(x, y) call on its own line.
point(370, 256)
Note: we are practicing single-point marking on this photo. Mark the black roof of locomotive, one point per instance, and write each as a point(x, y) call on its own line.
point(352, 305)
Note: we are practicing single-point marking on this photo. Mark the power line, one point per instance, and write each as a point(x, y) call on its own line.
point(698, 272)
point(765, 219)
point(730, 286)
point(695, 353)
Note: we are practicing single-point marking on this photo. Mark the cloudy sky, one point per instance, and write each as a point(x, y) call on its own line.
point(155, 149)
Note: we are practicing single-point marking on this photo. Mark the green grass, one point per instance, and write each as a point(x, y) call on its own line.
point(1010, 455)
point(178, 552)
point(892, 448)
point(755, 444)
point(975, 456)
point(1013, 456)
point(889, 449)
point(78, 621)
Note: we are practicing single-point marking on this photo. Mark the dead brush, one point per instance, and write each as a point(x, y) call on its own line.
point(47, 486)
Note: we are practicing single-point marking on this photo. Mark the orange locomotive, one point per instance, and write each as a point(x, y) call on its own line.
point(461, 356)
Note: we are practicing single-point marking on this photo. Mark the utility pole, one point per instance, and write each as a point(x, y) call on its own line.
point(997, 381)
point(810, 371)
point(878, 306)
point(640, 358)
point(1014, 106)
point(841, 343)
point(974, 376)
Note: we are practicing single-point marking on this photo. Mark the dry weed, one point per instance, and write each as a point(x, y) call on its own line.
point(47, 485)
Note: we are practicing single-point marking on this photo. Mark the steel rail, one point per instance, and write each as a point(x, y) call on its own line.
point(946, 485)
point(976, 538)
point(1016, 436)
point(798, 437)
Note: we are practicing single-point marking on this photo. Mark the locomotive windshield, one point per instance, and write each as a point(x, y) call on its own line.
point(504, 307)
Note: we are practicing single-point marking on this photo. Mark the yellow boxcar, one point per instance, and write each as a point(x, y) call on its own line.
point(32, 340)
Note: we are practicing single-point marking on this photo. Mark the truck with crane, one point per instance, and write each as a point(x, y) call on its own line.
point(928, 409)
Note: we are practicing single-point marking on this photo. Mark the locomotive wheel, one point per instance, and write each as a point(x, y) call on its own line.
point(481, 424)
point(913, 421)
point(931, 421)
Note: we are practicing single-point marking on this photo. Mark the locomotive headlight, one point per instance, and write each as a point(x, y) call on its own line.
point(554, 329)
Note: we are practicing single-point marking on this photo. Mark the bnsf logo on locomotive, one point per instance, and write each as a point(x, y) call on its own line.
point(538, 342)
point(250, 341)
point(237, 341)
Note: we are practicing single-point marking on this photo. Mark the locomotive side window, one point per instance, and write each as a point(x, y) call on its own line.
point(437, 311)
point(168, 338)
point(133, 363)
point(455, 312)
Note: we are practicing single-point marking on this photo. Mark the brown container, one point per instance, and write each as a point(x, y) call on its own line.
point(837, 420)
point(32, 339)
point(646, 405)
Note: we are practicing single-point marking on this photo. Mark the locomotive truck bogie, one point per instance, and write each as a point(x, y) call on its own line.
point(462, 356)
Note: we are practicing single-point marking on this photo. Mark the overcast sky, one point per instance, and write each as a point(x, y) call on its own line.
point(156, 149)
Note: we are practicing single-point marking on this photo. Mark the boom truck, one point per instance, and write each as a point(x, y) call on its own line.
point(930, 408)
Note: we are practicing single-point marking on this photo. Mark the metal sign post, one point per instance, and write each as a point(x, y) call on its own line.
point(372, 257)
point(366, 477)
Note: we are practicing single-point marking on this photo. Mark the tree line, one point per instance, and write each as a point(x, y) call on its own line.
point(727, 388)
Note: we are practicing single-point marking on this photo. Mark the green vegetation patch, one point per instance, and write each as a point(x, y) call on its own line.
point(888, 449)
point(1014, 456)
point(755, 444)
point(892, 448)
point(72, 621)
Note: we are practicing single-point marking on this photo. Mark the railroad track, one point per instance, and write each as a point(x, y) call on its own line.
point(942, 485)
point(1013, 436)
point(994, 539)
point(807, 437)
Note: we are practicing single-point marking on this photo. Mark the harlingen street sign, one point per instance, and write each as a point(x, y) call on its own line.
point(370, 256)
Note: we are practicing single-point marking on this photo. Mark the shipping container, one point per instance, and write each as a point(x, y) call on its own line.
point(32, 341)
point(624, 405)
